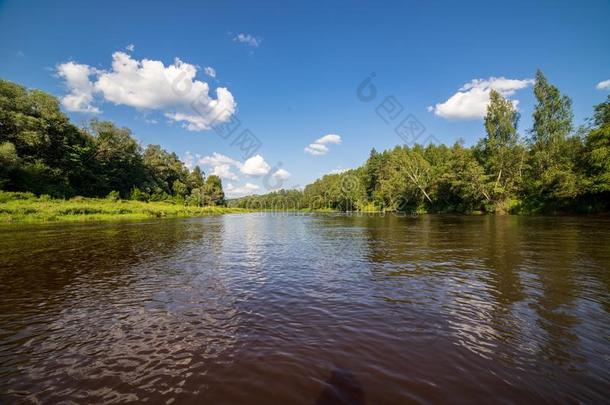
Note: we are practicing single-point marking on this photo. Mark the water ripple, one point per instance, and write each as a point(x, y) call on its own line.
point(305, 308)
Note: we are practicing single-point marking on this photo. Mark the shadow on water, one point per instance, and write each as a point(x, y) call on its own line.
point(342, 387)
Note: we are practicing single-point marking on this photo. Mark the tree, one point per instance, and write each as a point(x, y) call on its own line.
point(41, 151)
point(499, 151)
point(371, 172)
point(597, 151)
point(551, 164)
point(9, 162)
point(552, 114)
point(52, 151)
point(118, 157)
point(195, 178)
point(180, 189)
point(163, 169)
point(462, 185)
point(135, 194)
point(214, 195)
point(406, 179)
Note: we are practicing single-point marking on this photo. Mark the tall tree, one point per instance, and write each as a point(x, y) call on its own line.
point(551, 172)
point(597, 151)
point(371, 172)
point(119, 158)
point(214, 195)
point(163, 170)
point(500, 152)
point(552, 113)
point(195, 178)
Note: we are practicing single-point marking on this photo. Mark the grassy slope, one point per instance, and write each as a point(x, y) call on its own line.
point(15, 208)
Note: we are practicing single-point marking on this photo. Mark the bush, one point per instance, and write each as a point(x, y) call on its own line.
point(138, 195)
point(159, 195)
point(195, 199)
point(113, 196)
point(6, 196)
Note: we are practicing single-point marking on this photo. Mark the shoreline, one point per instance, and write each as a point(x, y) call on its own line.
point(18, 208)
point(15, 209)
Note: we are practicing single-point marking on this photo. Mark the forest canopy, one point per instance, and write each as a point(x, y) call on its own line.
point(42, 152)
point(554, 168)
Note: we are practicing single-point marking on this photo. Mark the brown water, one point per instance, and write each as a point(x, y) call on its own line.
point(307, 309)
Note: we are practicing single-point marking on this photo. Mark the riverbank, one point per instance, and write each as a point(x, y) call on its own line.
point(27, 208)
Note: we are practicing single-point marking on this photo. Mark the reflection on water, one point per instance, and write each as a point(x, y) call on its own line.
point(306, 309)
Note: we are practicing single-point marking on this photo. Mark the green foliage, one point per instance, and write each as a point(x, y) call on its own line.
point(552, 113)
point(9, 162)
point(113, 196)
point(462, 184)
point(138, 195)
point(26, 207)
point(163, 169)
point(46, 143)
point(195, 178)
point(555, 171)
point(196, 198)
point(212, 189)
point(499, 152)
point(180, 189)
point(281, 200)
point(597, 151)
point(118, 158)
point(551, 169)
point(42, 152)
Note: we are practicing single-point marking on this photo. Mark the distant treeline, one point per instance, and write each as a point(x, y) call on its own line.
point(554, 169)
point(42, 152)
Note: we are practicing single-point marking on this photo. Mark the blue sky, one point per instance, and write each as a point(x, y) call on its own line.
point(293, 73)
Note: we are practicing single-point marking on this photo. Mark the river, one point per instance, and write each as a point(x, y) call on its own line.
point(307, 309)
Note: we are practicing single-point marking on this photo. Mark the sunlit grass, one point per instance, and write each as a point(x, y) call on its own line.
point(24, 207)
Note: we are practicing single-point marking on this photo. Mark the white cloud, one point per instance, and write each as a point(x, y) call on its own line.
point(255, 166)
point(246, 189)
point(221, 165)
point(471, 100)
point(188, 160)
point(318, 147)
point(218, 159)
point(80, 87)
point(210, 71)
point(224, 172)
point(248, 39)
point(603, 85)
point(330, 138)
point(130, 47)
point(150, 85)
point(282, 174)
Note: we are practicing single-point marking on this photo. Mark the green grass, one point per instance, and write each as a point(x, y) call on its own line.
point(25, 207)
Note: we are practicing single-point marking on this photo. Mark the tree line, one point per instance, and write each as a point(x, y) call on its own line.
point(556, 168)
point(42, 152)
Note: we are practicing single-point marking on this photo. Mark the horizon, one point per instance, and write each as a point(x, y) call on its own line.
point(261, 57)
